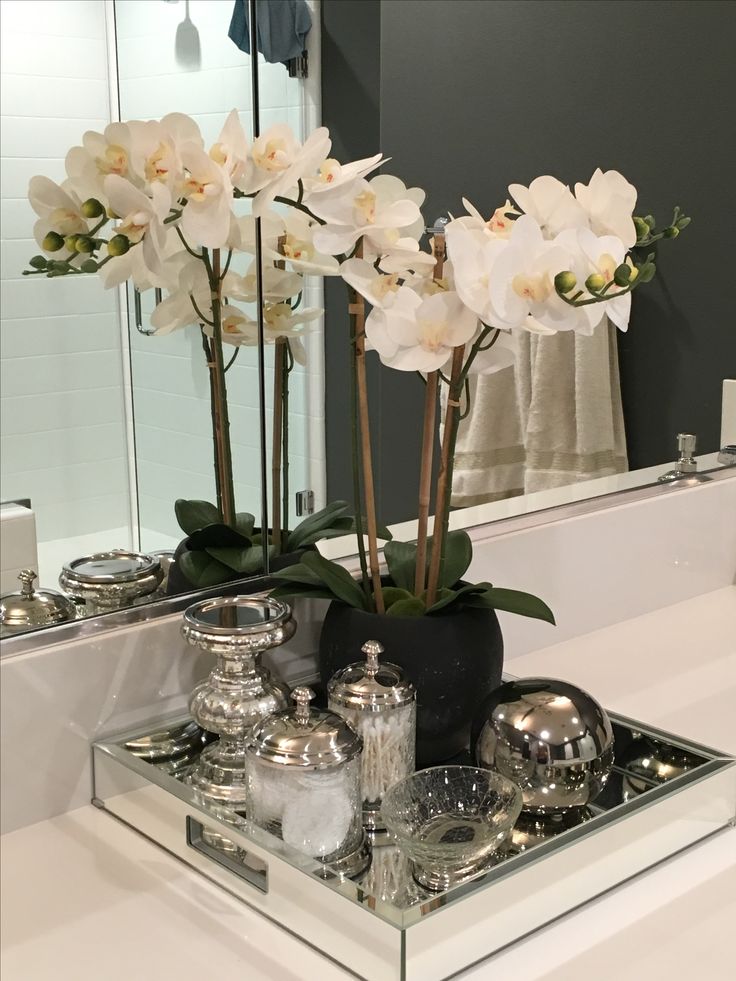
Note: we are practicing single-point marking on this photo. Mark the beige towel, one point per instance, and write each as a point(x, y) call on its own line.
point(554, 419)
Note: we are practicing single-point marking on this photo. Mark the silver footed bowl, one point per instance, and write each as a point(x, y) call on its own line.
point(551, 738)
point(450, 821)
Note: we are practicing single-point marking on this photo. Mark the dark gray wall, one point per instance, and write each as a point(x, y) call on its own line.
point(476, 94)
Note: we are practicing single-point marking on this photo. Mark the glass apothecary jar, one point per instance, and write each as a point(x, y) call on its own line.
point(303, 784)
point(380, 703)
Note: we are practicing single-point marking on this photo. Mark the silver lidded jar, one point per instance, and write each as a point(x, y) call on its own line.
point(239, 692)
point(381, 704)
point(303, 776)
point(31, 608)
point(108, 581)
point(551, 738)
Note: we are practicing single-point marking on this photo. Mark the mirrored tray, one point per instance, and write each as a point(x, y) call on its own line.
point(663, 795)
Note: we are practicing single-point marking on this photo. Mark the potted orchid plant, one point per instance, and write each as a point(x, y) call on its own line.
point(547, 260)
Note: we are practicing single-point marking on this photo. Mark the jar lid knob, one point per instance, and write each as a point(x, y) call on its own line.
point(302, 695)
point(371, 649)
point(26, 577)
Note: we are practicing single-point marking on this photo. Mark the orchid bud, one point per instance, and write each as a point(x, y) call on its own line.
point(89, 266)
point(642, 229)
point(650, 220)
point(622, 275)
point(38, 262)
point(647, 271)
point(565, 281)
point(53, 242)
point(84, 244)
point(595, 283)
point(682, 223)
point(118, 245)
point(70, 243)
point(672, 232)
point(92, 208)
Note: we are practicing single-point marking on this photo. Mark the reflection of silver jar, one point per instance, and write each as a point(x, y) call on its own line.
point(32, 608)
point(303, 771)
point(549, 737)
point(380, 703)
point(111, 580)
point(239, 692)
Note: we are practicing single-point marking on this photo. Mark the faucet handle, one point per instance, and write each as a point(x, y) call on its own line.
point(686, 462)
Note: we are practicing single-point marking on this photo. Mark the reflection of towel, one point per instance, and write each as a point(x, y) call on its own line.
point(282, 28)
point(558, 421)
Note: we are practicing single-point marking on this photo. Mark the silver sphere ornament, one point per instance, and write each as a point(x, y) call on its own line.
point(551, 738)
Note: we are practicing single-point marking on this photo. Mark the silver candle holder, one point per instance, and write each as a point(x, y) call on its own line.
point(238, 693)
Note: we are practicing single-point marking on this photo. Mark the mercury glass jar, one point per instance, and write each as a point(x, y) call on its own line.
point(113, 580)
point(31, 608)
point(303, 778)
point(239, 691)
point(380, 703)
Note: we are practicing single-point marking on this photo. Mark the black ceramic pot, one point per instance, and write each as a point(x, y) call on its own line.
point(454, 660)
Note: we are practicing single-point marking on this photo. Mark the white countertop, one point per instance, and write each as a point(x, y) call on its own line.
point(87, 899)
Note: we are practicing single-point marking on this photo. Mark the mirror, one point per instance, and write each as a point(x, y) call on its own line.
point(469, 97)
point(106, 425)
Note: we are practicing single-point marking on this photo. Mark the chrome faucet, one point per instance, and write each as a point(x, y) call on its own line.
point(686, 463)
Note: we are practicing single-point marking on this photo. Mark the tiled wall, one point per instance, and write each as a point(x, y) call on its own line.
point(63, 433)
point(170, 386)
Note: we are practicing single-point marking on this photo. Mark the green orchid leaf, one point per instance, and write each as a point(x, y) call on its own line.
point(316, 522)
point(449, 597)
point(458, 555)
point(202, 570)
point(325, 533)
point(193, 515)
point(244, 523)
point(217, 536)
point(298, 589)
point(391, 595)
point(382, 533)
point(337, 579)
point(401, 558)
point(412, 607)
point(246, 561)
point(515, 601)
point(298, 573)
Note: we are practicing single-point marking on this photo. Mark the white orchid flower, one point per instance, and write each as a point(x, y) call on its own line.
point(182, 129)
point(367, 209)
point(418, 334)
point(230, 151)
point(100, 155)
point(291, 239)
point(609, 201)
point(603, 254)
point(277, 162)
point(206, 216)
point(473, 254)
point(278, 284)
point(500, 224)
point(140, 217)
point(380, 290)
point(58, 209)
point(551, 203)
point(404, 257)
point(333, 174)
point(279, 322)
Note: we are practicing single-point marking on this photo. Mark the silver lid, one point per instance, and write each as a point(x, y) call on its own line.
point(237, 624)
point(116, 575)
point(369, 685)
point(304, 737)
point(34, 607)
